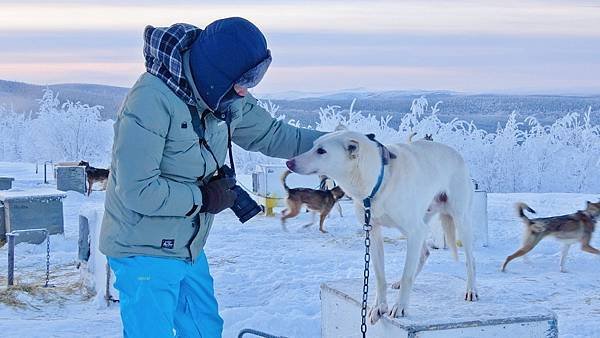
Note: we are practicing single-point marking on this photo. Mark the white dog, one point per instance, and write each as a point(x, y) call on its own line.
point(420, 179)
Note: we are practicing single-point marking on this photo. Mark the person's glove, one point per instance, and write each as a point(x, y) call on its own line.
point(217, 195)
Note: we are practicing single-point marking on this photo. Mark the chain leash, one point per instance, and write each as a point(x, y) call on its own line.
point(47, 259)
point(367, 228)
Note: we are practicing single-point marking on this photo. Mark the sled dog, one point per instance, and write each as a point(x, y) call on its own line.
point(321, 201)
point(420, 179)
point(568, 229)
point(94, 175)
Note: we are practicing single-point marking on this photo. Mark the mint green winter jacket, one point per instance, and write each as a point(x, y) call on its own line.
point(158, 162)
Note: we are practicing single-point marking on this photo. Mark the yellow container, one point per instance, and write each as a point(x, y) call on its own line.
point(270, 203)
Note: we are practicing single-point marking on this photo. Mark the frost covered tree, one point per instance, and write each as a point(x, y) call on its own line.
point(70, 131)
point(67, 131)
point(13, 131)
point(519, 157)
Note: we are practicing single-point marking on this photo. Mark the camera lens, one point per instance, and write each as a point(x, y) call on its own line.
point(244, 207)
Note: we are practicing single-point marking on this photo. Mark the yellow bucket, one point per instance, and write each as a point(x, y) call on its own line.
point(271, 202)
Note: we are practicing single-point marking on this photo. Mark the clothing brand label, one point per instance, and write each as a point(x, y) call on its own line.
point(184, 125)
point(168, 243)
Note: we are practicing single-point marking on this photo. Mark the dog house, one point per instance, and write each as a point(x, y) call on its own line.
point(31, 209)
point(70, 177)
point(266, 182)
point(437, 310)
point(6, 183)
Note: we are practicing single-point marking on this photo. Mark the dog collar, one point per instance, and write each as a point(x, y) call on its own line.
point(386, 155)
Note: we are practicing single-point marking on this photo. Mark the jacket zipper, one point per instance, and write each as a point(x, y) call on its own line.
point(196, 231)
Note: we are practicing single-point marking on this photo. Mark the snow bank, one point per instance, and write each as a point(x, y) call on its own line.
point(94, 272)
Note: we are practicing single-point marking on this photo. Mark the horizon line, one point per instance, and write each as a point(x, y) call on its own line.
point(516, 92)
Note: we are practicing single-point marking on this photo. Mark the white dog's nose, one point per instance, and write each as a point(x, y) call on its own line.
point(291, 164)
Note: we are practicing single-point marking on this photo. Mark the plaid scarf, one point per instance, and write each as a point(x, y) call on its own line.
point(163, 49)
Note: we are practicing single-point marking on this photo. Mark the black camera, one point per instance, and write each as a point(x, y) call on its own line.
point(244, 206)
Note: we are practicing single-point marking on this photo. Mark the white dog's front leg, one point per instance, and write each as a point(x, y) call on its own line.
point(415, 242)
point(380, 307)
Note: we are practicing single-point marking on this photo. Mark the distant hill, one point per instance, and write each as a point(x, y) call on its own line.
point(22, 96)
point(486, 110)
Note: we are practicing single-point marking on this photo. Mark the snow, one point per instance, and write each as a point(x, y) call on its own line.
point(17, 193)
point(269, 280)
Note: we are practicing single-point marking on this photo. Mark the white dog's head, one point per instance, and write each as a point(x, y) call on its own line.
point(343, 156)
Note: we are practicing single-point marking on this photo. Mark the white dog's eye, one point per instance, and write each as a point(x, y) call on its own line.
point(321, 151)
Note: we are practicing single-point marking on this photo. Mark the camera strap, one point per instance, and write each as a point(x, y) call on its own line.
point(197, 119)
point(229, 148)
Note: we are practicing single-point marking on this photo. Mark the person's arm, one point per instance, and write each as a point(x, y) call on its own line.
point(140, 141)
point(258, 131)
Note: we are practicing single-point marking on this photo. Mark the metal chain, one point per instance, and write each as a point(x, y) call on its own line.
point(47, 259)
point(367, 228)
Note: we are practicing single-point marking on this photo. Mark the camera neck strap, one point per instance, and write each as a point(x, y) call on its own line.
point(198, 119)
point(229, 147)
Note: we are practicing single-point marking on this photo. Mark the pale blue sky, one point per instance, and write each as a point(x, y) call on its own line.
point(474, 46)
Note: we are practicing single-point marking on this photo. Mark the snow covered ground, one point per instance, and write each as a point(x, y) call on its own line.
point(268, 279)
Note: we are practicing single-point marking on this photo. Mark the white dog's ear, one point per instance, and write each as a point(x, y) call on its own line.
point(352, 149)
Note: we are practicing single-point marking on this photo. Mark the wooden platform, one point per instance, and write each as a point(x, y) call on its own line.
point(436, 310)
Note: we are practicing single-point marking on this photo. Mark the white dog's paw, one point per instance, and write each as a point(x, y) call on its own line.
point(398, 310)
point(397, 285)
point(471, 295)
point(376, 312)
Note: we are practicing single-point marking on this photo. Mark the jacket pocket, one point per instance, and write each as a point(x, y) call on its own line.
point(167, 233)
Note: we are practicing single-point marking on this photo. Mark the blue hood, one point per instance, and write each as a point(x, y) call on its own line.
point(223, 52)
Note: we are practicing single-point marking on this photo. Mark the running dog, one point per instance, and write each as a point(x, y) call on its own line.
point(94, 175)
point(325, 183)
point(321, 201)
point(568, 229)
point(420, 179)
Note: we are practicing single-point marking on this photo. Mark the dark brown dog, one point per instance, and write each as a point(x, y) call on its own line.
point(321, 201)
point(94, 175)
point(568, 229)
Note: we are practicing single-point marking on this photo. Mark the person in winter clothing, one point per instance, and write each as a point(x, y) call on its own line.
point(171, 136)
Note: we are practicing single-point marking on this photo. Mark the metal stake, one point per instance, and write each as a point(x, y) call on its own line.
point(45, 179)
point(10, 237)
point(11, 258)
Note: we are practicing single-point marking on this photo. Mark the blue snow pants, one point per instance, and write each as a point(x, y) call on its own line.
point(162, 297)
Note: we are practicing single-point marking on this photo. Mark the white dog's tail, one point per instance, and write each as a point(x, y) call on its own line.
point(450, 232)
